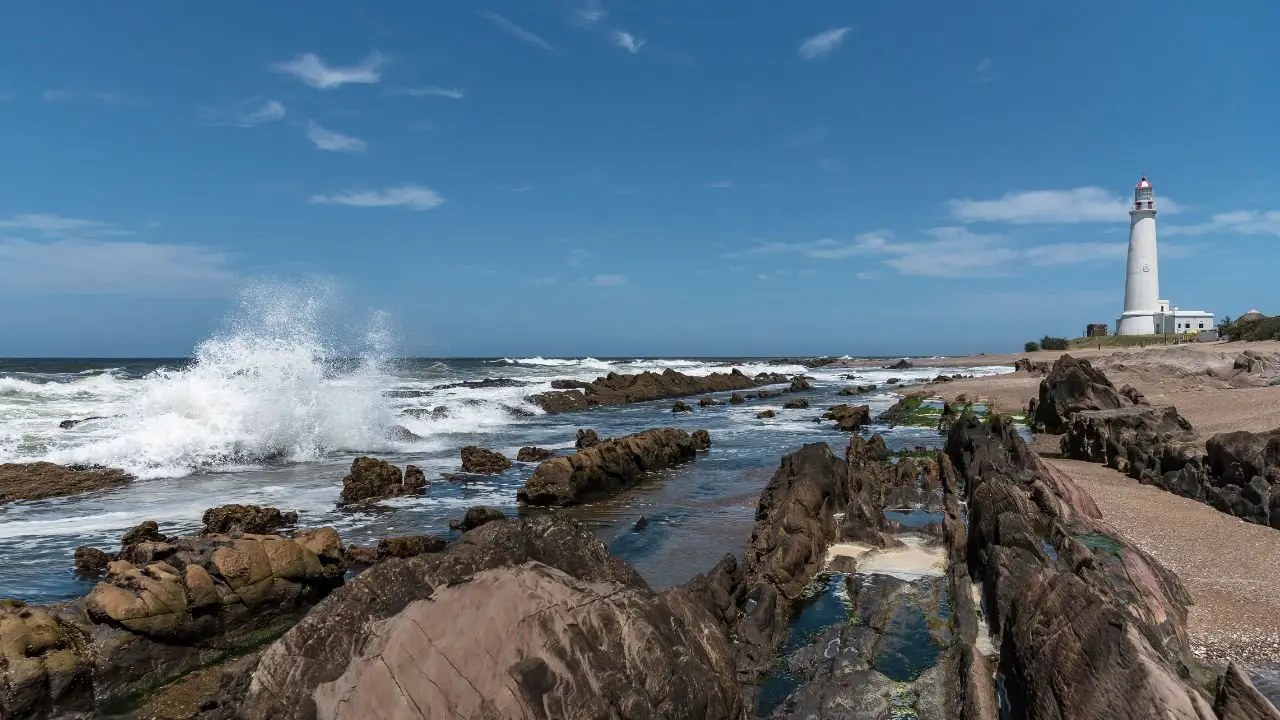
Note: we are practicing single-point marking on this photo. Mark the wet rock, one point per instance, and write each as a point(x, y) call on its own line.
point(40, 671)
point(569, 385)
point(414, 477)
point(680, 407)
point(606, 466)
point(322, 646)
point(765, 414)
point(641, 524)
point(252, 519)
point(372, 479)
point(147, 531)
point(702, 439)
point(736, 399)
point(476, 516)
point(616, 389)
point(708, 402)
point(797, 404)
point(90, 561)
point(1033, 367)
point(360, 555)
point(439, 412)
point(39, 480)
point(400, 433)
point(893, 381)
point(533, 454)
point(586, 439)
point(483, 384)
point(68, 424)
point(902, 364)
point(905, 411)
point(1238, 699)
point(1072, 386)
point(849, 418)
point(482, 461)
point(409, 546)
point(766, 394)
point(799, 383)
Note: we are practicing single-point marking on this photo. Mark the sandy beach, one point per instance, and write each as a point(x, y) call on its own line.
point(1230, 567)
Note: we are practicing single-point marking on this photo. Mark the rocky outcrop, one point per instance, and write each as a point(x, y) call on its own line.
point(91, 561)
point(39, 480)
point(483, 384)
point(607, 466)
point(560, 623)
point(615, 389)
point(903, 364)
point(1033, 367)
point(476, 516)
point(1089, 626)
point(799, 383)
point(708, 402)
point(586, 438)
point(242, 519)
point(796, 404)
point(701, 440)
point(569, 385)
point(849, 418)
point(1133, 440)
point(166, 609)
point(736, 399)
point(371, 479)
point(533, 454)
point(680, 407)
point(1238, 699)
point(765, 414)
point(482, 461)
point(1072, 386)
point(405, 546)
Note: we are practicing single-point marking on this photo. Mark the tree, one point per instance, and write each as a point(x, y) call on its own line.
point(1031, 346)
point(1053, 343)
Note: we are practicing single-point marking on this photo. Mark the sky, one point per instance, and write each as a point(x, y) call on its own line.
point(642, 178)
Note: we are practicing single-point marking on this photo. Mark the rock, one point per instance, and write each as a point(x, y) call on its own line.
point(569, 385)
point(893, 381)
point(641, 524)
point(680, 407)
point(1072, 386)
point(797, 404)
point(400, 433)
point(1131, 439)
point(902, 364)
point(147, 531)
point(373, 479)
point(90, 561)
point(483, 384)
point(68, 424)
point(606, 466)
point(414, 477)
point(765, 414)
point(1238, 699)
point(736, 399)
point(39, 480)
point(586, 439)
point(847, 392)
point(708, 402)
point(481, 461)
point(908, 410)
point(1251, 361)
point(1033, 367)
point(40, 670)
point(702, 439)
point(321, 647)
point(1133, 395)
point(410, 545)
point(533, 454)
point(799, 383)
point(475, 649)
point(766, 394)
point(361, 555)
point(476, 516)
point(849, 418)
point(242, 519)
point(616, 389)
point(439, 412)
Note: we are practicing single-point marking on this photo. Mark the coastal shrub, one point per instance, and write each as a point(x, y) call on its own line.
point(1031, 346)
point(1267, 328)
point(1053, 343)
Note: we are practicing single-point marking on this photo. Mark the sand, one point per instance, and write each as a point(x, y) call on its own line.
point(1230, 567)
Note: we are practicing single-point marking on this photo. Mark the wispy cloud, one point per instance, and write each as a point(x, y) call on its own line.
point(805, 138)
point(982, 71)
point(721, 184)
point(521, 188)
point(247, 114)
point(590, 13)
point(577, 256)
point(108, 97)
point(517, 32)
point(311, 70)
point(411, 197)
point(822, 43)
point(1085, 204)
point(627, 41)
point(432, 91)
point(1239, 222)
point(608, 280)
point(544, 281)
point(333, 141)
point(72, 256)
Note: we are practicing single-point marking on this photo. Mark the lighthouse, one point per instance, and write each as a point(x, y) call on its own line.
point(1142, 279)
point(1144, 312)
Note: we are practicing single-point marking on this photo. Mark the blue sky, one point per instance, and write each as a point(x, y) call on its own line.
point(597, 177)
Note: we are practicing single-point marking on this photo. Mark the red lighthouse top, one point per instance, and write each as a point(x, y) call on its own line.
point(1143, 183)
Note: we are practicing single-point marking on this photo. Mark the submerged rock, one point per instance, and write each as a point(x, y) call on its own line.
point(533, 454)
point(68, 424)
point(251, 519)
point(615, 389)
point(606, 466)
point(849, 418)
point(476, 516)
point(708, 402)
point(373, 479)
point(482, 461)
point(39, 480)
point(483, 384)
point(799, 383)
point(797, 404)
point(680, 407)
point(736, 399)
point(765, 414)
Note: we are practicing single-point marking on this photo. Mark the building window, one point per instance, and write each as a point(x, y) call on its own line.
point(1201, 326)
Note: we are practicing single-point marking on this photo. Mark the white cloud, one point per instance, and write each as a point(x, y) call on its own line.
point(106, 97)
point(721, 184)
point(627, 41)
point(411, 197)
point(865, 275)
point(822, 43)
point(517, 32)
point(609, 280)
point(326, 139)
point(1085, 204)
point(590, 13)
point(311, 70)
point(56, 226)
point(577, 256)
point(249, 113)
point(433, 91)
point(1239, 222)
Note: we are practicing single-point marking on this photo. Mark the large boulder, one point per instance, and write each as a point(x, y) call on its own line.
point(482, 461)
point(531, 642)
point(606, 466)
point(476, 516)
point(252, 519)
point(616, 389)
point(371, 479)
point(531, 453)
point(586, 438)
point(39, 480)
point(849, 418)
point(1132, 439)
point(1071, 386)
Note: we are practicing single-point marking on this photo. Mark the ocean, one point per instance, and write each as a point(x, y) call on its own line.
point(275, 419)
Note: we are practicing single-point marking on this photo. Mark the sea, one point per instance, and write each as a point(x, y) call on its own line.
point(269, 410)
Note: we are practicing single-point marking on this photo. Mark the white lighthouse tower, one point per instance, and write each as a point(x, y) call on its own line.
point(1142, 280)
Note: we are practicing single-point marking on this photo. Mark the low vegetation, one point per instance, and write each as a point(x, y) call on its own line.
point(1031, 346)
point(1251, 329)
point(1047, 342)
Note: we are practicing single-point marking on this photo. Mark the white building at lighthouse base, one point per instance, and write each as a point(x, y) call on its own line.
point(1165, 320)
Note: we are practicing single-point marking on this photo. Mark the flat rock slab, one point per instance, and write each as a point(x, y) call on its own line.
point(39, 480)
